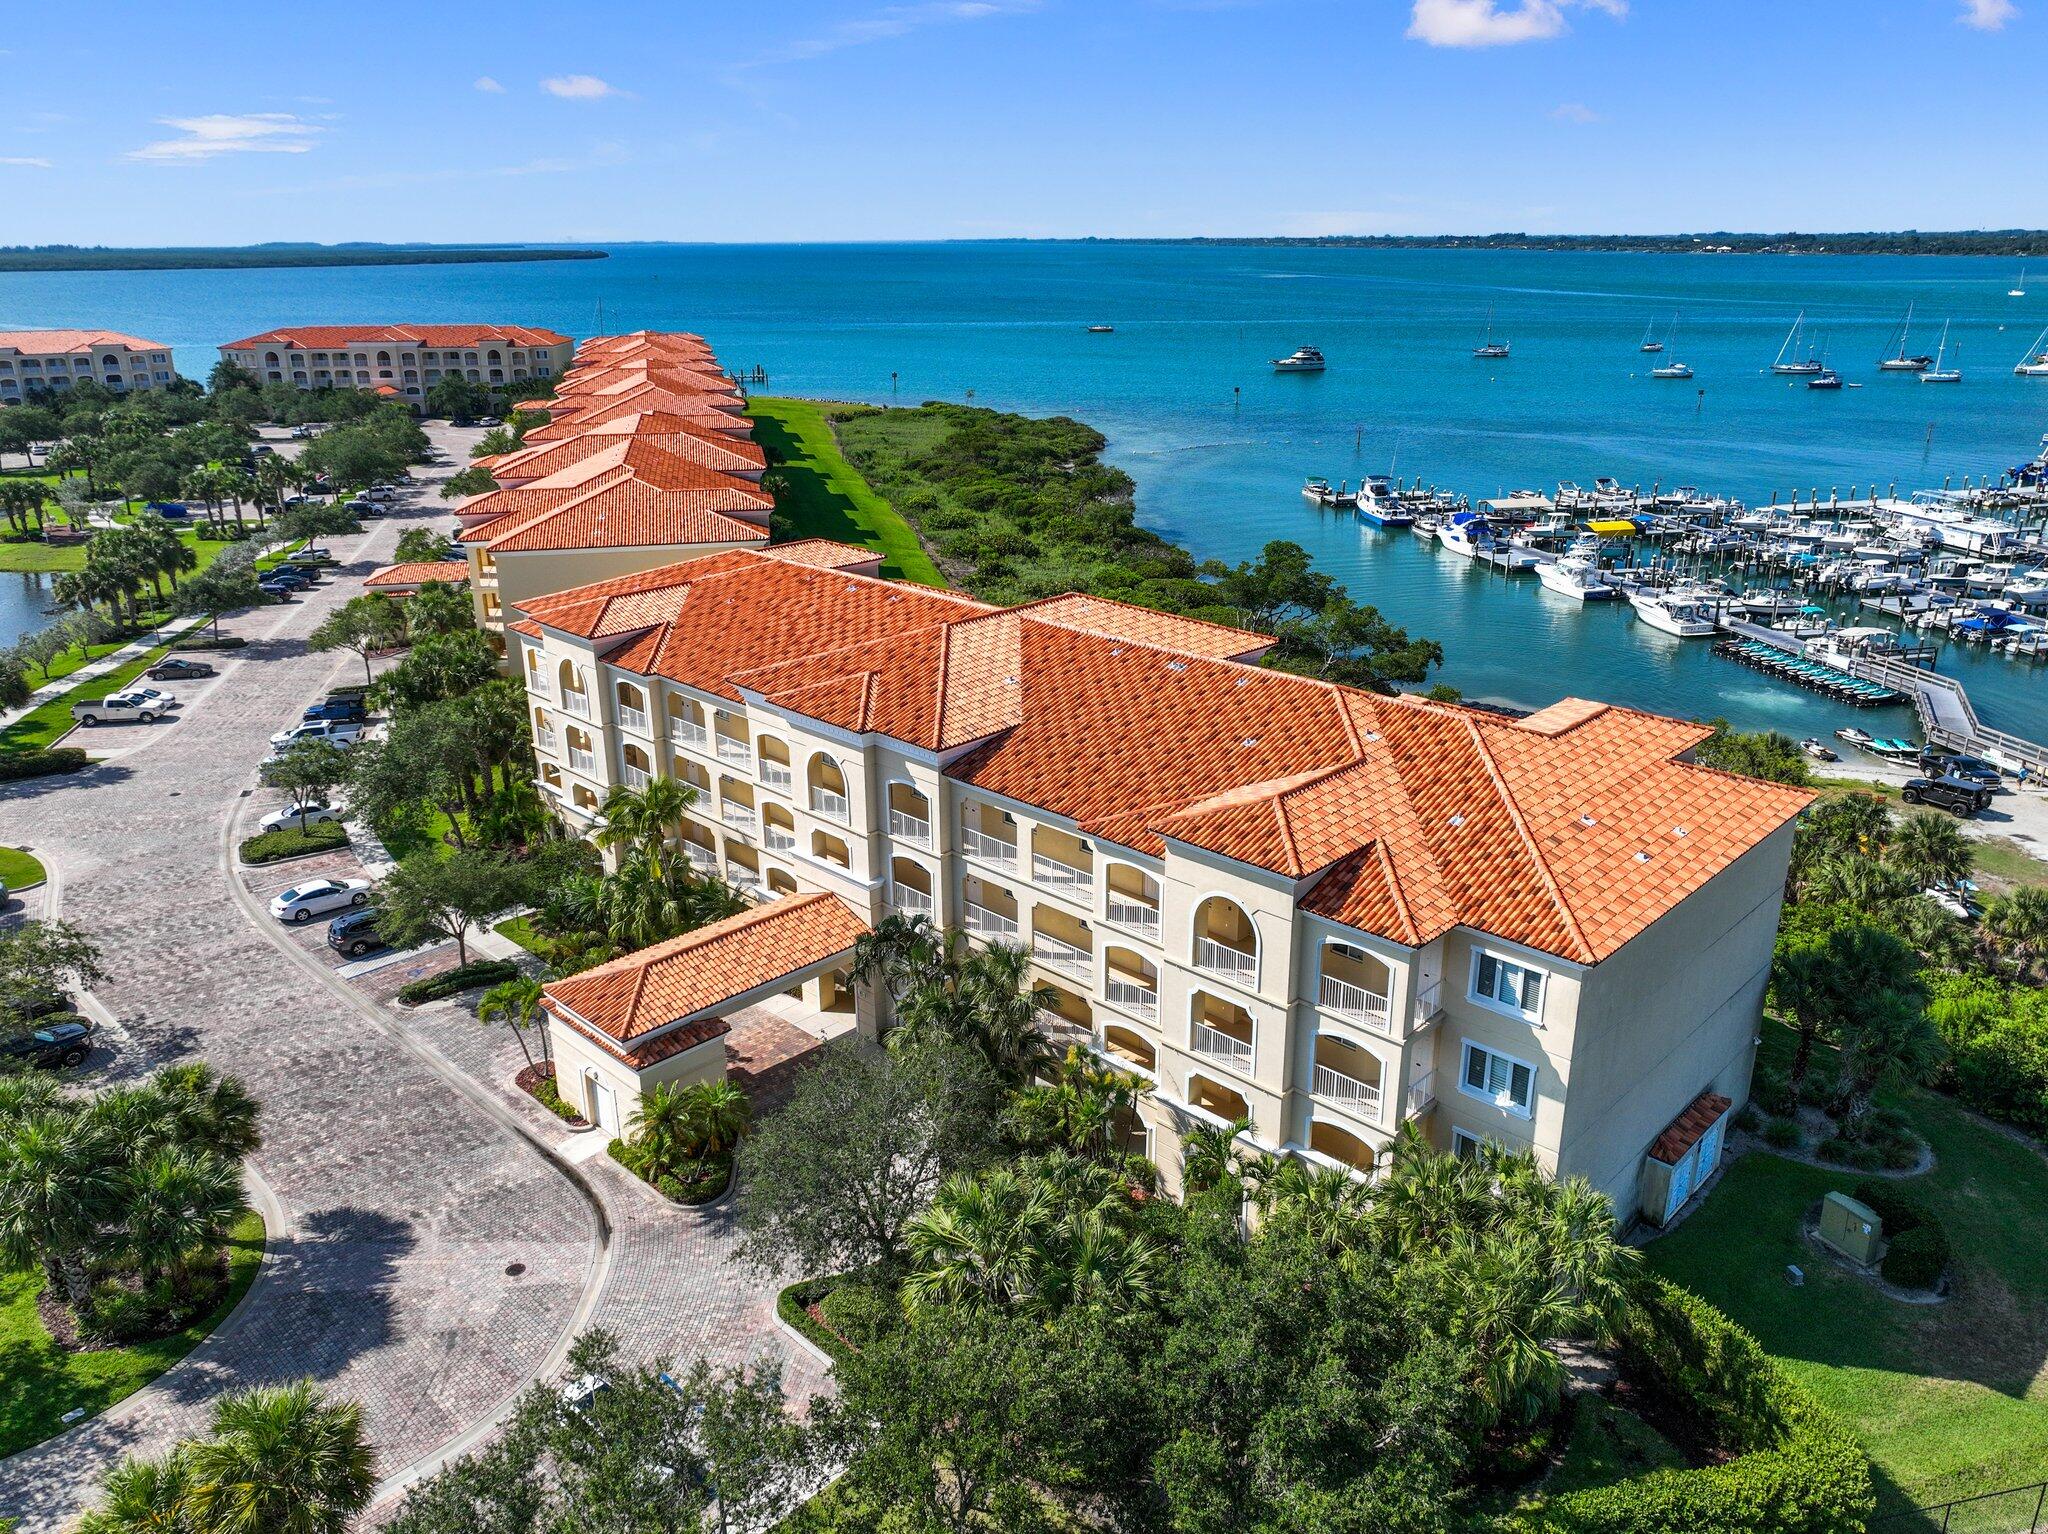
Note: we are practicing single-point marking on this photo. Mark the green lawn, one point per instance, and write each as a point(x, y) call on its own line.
point(825, 497)
point(48, 721)
point(1951, 1399)
point(2001, 858)
point(519, 929)
point(40, 1382)
point(19, 871)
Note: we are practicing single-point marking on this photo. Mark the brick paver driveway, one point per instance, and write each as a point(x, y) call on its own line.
point(430, 1257)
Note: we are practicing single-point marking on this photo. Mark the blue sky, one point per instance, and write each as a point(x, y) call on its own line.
point(218, 121)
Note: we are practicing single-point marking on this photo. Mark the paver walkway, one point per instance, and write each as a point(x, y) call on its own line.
point(408, 1201)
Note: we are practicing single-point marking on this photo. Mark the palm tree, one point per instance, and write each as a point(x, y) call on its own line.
point(1864, 883)
point(178, 1202)
point(1889, 1041)
point(662, 1128)
point(1209, 1154)
point(1503, 1304)
point(213, 1112)
point(1001, 1012)
point(638, 820)
point(983, 1239)
point(1933, 849)
point(900, 954)
point(144, 1496)
point(518, 1003)
point(1326, 1204)
point(2018, 925)
point(719, 1114)
point(26, 1096)
point(58, 1189)
point(281, 1460)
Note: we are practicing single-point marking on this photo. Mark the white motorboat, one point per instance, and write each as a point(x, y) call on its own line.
point(1763, 603)
point(1685, 614)
point(1470, 534)
point(1577, 576)
point(1671, 370)
point(1303, 359)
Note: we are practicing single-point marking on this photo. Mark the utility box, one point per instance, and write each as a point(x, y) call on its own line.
point(1851, 1228)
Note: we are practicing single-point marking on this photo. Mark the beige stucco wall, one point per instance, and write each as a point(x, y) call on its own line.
point(576, 1059)
point(522, 577)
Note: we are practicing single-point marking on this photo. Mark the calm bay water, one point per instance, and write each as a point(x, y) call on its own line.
point(1219, 445)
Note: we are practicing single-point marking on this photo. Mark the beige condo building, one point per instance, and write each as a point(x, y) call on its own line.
point(401, 361)
point(56, 360)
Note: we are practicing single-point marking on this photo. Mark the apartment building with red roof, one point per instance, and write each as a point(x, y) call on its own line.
point(404, 361)
point(57, 360)
point(1321, 911)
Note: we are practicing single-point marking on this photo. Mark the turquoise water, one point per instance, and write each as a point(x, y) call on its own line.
point(1219, 444)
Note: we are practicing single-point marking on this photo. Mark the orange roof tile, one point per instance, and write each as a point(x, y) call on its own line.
point(47, 343)
point(419, 573)
point(326, 337)
point(623, 512)
point(1689, 1128)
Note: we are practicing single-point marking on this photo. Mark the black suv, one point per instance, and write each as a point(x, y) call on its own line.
point(1970, 769)
point(1958, 796)
point(64, 1040)
point(355, 932)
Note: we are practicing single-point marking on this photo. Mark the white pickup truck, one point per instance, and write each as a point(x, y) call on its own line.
point(120, 707)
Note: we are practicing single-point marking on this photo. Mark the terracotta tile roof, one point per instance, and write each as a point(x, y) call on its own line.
point(623, 512)
point(327, 337)
point(725, 453)
point(587, 458)
point(46, 343)
point(1687, 1130)
point(825, 554)
point(1126, 620)
point(700, 971)
point(568, 418)
point(419, 573)
point(663, 1046)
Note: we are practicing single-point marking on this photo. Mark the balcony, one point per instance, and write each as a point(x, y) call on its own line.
point(778, 838)
point(695, 736)
point(1355, 1003)
point(548, 741)
point(1137, 916)
point(1056, 875)
point(577, 703)
point(909, 901)
point(1212, 956)
point(743, 878)
point(1360, 1096)
point(910, 828)
point(1214, 1044)
point(633, 718)
point(735, 752)
point(635, 777)
point(1429, 1003)
point(777, 774)
point(993, 926)
point(737, 816)
point(1129, 996)
point(990, 849)
point(583, 762)
point(1421, 1092)
point(832, 806)
point(1060, 955)
point(702, 858)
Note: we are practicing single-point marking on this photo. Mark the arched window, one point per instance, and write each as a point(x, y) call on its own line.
point(828, 788)
point(778, 828)
point(910, 887)
point(632, 705)
point(1225, 941)
point(639, 770)
point(780, 882)
point(570, 689)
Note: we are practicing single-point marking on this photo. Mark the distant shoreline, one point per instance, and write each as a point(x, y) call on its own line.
point(65, 258)
point(2028, 243)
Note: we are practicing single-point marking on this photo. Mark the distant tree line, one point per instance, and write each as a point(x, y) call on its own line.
point(103, 258)
point(1895, 242)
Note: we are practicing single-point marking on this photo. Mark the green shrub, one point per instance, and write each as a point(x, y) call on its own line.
point(1782, 1133)
point(1772, 1091)
point(1794, 1470)
point(1900, 1212)
point(793, 1306)
point(2003, 1071)
point(292, 842)
point(1860, 1154)
point(464, 977)
point(209, 642)
point(1916, 1258)
point(858, 1312)
point(16, 765)
point(549, 1096)
point(1749, 1119)
point(116, 1313)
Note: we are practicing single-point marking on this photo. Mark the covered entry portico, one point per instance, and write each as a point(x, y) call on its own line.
point(661, 1015)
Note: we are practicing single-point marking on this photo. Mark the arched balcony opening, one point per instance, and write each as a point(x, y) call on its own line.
point(910, 815)
point(583, 799)
point(827, 784)
point(1340, 1144)
point(729, 736)
point(693, 774)
point(686, 723)
point(550, 774)
point(1069, 1006)
point(1355, 985)
point(639, 771)
point(778, 828)
point(699, 847)
point(736, 803)
point(1133, 897)
point(1226, 943)
point(581, 756)
point(989, 911)
point(1061, 861)
point(988, 833)
point(828, 848)
point(1062, 942)
point(544, 732)
point(743, 868)
point(773, 756)
point(1348, 1074)
point(632, 706)
point(1130, 1046)
point(1221, 1031)
point(1226, 1103)
point(781, 882)
point(910, 888)
point(1130, 983)
point(571, 691)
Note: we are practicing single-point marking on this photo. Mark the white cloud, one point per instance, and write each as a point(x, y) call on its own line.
point(1574, 112)
point(579, 87)
point(25, 159)
point(1988, 15)
point(203, 138)
point(1489, 24)
point(890, 21)
point(489, 86)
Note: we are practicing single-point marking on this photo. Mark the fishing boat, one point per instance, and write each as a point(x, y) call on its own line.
point(1101, 330)
point(2035, 363)
point(1317, 491)
point(1379, 505)
point(1938, 373)
point(1579, 576)
point(1303, 359)
point(1900, 361)
point(1650, 343)
point(1798, 366)
point(1683, 613)
point(1489, 347)
point(2018, 289)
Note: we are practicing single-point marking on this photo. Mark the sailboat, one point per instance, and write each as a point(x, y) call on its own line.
point(2035, 363)
point(1901, 363)
point(1671, 369)
point(1798, 366)
point(1937, 373)
point(1650, 345)
point(1490, 347)
point(2019, 289)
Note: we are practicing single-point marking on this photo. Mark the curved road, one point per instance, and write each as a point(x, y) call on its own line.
point(426, 1258)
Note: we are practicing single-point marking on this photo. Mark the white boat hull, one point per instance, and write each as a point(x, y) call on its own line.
point(1567, 582)
point(1683, 621)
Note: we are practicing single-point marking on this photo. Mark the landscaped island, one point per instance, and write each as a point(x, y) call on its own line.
point(107, 258)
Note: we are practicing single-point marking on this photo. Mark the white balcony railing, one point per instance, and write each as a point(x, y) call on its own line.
point(635, 777)
point(1429, 1002)
point(1129, 996)
point(832, 806)
point(909, 901)
point(737, 816)
point(702, 858)
point(1422, 1092)
point(910, 828)
point(583, 762)
point(1227, 962)
point(1214, 1044)
point(1061, 955)
point(734, 751)
point(691, 734)
point(1355, 1002)
point(577, 703)
point(1348, 1090)
point(778, 838)
point(1057, 875)
point(777, 774)
point(1135, 915)
point(984, 923)
point(990, 849)
point(547, 740)
point(633, 718)
point(742, 878)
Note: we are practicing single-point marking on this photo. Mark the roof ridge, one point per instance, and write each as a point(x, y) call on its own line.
point(1528, 839)
point(1395, 886)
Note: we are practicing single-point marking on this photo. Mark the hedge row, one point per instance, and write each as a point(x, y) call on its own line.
point(464, 977)
point(15, 765)
point(292, 842)
point(209, 642)
point(793, 1305)
point(1796, 1471)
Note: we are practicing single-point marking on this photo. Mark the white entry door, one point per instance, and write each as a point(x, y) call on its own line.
point(604, 1104)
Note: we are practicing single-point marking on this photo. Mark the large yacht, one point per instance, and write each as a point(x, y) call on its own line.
point(1688, 614)
point(1577, 575)
point(1303, 359)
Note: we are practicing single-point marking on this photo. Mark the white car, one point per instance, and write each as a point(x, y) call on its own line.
point(156, 697)
point(343, 732)
point(288, 819)
point(317, 897)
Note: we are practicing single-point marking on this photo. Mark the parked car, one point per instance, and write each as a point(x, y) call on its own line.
point(176, 668)
point(278, 589)
point(1971, 769)
point(163, 700)
point(55, 1046)
point(117, 708)
point(355, 934)
point(285, 575)
point(1958, 796)
point(289, 819)
point(347, 710)
point(343, 732)
point(344, 694)
point(307, 556)
point(316, 897)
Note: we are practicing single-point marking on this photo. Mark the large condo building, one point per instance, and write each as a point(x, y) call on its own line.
point(403, 361)
point(58, 359)
point(646, 458)
point(1321, 911)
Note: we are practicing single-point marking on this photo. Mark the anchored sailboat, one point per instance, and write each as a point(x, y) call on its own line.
point(1671, 369)
point(1650, 344)
point(1900, 362)
point(1490, 347)
point(1938, 373)
point(2035, 363)
point(2018, 289)
point(1798, 366)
